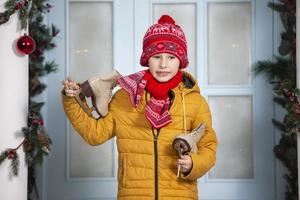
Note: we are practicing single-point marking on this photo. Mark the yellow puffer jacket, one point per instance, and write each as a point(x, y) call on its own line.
point(147, 161)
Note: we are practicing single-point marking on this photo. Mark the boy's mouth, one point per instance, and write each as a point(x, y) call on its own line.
point(162, 73)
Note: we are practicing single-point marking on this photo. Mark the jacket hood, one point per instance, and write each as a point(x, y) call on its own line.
point(189, 83)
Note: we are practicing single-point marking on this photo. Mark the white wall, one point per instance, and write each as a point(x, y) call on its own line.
point(13, 107)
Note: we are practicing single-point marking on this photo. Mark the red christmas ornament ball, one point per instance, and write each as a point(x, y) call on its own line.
point(25, 45)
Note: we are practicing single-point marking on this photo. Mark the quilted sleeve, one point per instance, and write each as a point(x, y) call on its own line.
point(205, 158)
point(93, 131)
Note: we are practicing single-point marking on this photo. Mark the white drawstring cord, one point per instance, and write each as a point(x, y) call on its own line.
point(184, 113)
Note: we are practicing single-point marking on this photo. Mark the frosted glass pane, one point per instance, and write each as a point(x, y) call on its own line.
point(229, 43)
point(232, 117)
point(90, 161)
point(90, 39)
point(185, 16)
point(90, 53)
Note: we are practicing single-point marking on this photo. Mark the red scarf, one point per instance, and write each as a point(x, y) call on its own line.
point(157, 109)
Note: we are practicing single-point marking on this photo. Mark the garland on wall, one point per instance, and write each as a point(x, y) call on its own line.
point(282, 75)
point(36, 143)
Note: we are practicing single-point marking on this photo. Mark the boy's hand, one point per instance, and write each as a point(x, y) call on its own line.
point(70, 87)
point(185, 163)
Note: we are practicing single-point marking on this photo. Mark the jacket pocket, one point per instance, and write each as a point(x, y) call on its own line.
point(123, 173)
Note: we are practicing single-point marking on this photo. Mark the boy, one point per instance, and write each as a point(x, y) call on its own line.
point(149, 110)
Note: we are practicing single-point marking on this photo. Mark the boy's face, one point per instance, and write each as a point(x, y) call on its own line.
point(163, 66)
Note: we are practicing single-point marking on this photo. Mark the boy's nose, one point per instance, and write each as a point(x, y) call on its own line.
point(163, 63)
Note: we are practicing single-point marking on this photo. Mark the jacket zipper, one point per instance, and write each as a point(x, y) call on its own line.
point(155, 137)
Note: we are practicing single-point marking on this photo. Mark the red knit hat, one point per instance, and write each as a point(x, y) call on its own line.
point(165, 37)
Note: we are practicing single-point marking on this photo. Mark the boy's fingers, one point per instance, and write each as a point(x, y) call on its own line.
point(182, 162)
point(71, 87)
point(70, 91)
point(71, 80)
point(70, 83)
point(75, 85)
point(65, 82)
point(184, 157)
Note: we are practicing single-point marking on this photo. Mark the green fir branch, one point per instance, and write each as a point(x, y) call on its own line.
point(282, 68)
point(15, 165)
point(37, 69)
point(35, 107)
point(12, 155)
point(51, 67)
point(23, 12)
point(285, 21)
point(10, 4)
point(279, 125)
point(39, 157)
point(28, 159)
point(54, 31)
point(38, 90)
point(280, 101)
point(3, 156)
point(23, 15)
point(279, 7)
point(286, 44)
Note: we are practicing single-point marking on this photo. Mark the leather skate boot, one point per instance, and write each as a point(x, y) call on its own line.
point(99, 88)
point(186, 143)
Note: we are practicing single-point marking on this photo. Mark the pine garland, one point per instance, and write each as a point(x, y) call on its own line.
point(13, 156)
point(37, 142)
point(282, 75)
point(20, 6)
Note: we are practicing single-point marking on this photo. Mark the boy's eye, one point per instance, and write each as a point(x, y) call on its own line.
point(171, 57)
point(155, 56)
